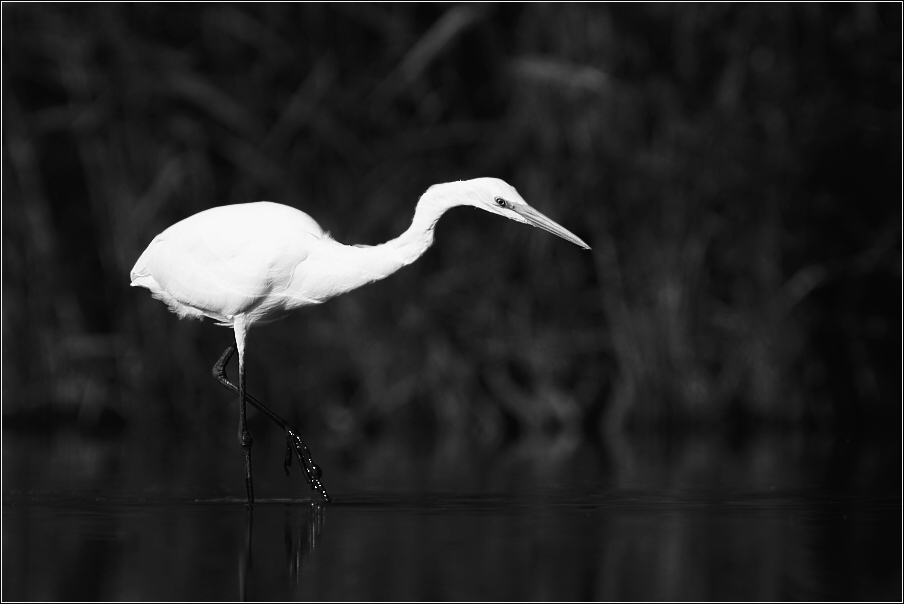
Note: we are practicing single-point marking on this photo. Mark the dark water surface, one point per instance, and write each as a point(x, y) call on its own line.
point(574, 531)
point(562, 546)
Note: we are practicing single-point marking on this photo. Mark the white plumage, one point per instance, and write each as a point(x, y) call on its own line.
point(242, 264)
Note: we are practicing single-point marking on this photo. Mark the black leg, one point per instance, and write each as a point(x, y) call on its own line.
point(244, 436)
point(293, 439)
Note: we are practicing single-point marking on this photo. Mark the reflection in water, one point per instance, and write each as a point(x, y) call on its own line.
point(307, 535)
point(690, 521)
point(565, 545)
point(303, 525)
point(245, 556)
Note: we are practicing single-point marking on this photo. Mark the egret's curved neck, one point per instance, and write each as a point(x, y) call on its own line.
point(351, 267)
point(410, 245)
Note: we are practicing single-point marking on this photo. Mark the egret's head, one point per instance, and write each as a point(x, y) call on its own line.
point(499, 197)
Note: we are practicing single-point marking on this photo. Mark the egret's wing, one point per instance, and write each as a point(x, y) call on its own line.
point(226, 261)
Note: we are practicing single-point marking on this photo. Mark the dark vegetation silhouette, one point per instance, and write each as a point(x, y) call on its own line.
point(736, 170)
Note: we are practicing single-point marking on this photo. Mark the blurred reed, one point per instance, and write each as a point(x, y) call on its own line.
point(735, 168)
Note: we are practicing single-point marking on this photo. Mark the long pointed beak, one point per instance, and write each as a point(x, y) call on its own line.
point(535, 218)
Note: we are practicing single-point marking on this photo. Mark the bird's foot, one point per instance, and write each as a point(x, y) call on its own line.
point(312, 472)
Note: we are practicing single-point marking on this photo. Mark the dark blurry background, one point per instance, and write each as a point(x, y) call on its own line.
point(736, 170)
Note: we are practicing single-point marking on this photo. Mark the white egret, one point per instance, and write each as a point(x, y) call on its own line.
point(254, 262)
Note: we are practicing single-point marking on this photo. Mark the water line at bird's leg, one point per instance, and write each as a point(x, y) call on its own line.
point(293, 438)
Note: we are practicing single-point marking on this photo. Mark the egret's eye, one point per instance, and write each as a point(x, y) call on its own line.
point(500, 202)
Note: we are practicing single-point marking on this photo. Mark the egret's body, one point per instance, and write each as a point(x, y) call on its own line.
point(254, 262)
